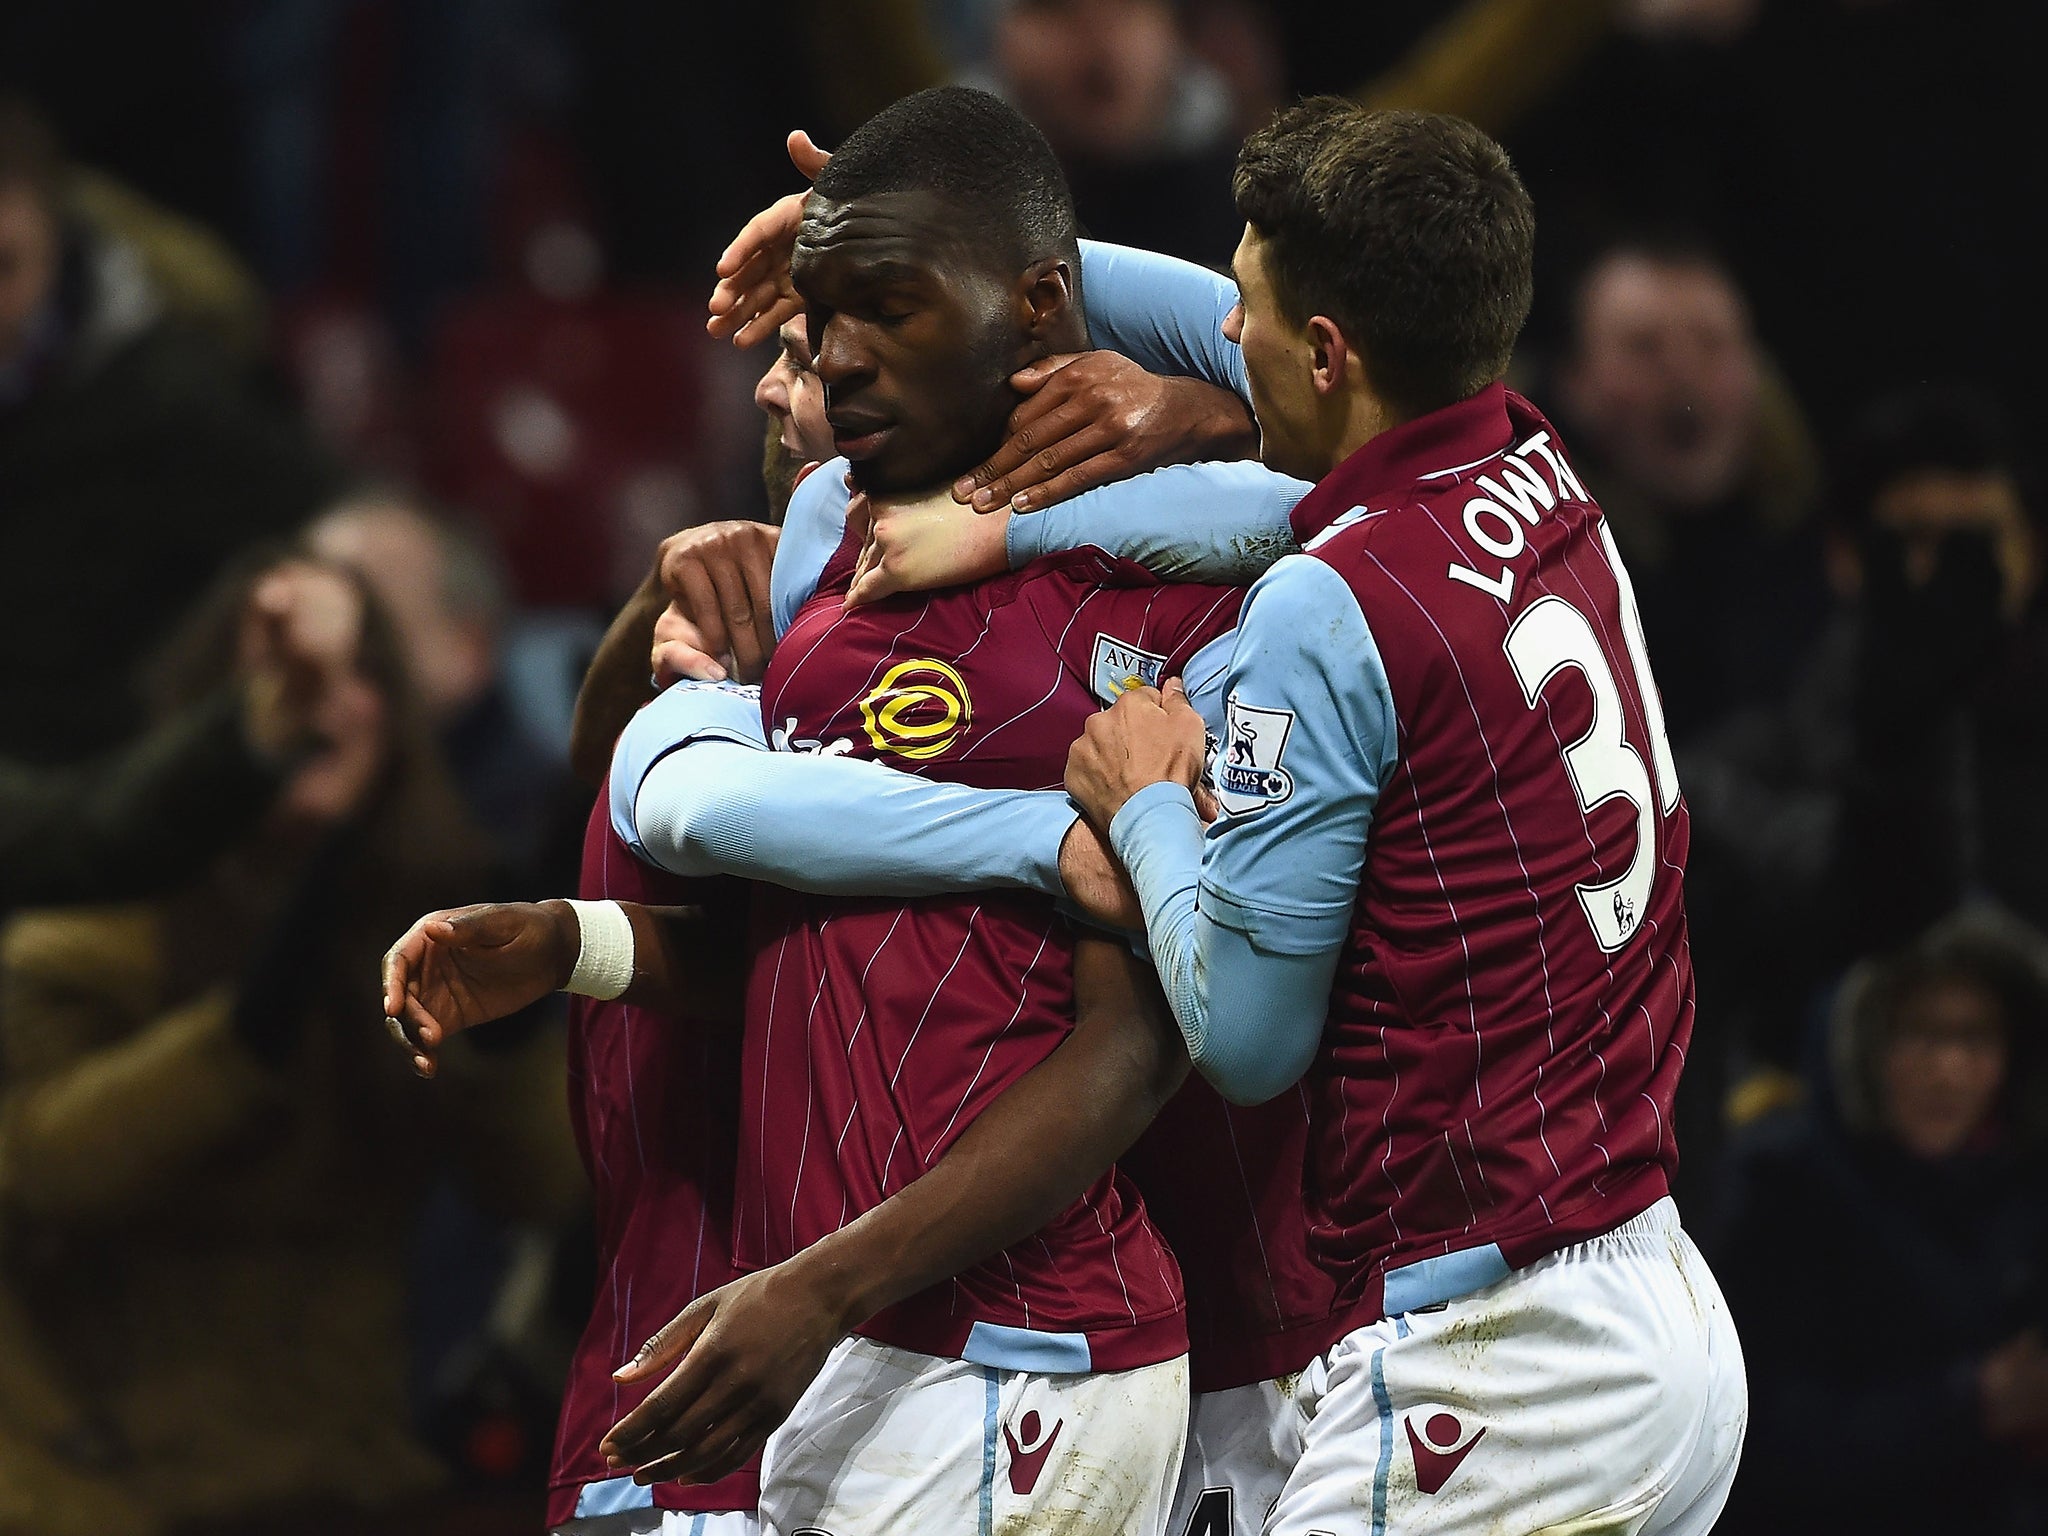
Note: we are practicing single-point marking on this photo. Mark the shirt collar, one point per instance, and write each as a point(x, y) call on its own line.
point(1470, 432)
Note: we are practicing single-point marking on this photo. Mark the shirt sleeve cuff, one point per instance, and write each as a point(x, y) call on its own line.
point(1158, 838)
point(1024, 539)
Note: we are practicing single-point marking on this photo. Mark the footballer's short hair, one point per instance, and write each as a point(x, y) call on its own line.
point(1409, 229)
point(976, 151)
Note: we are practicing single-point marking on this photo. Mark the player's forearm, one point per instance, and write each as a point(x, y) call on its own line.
point(616, 684)
point(1250, 1018)
point(1028, 1156)
point(686, 960)
point(1225, 523)
point(840, 826)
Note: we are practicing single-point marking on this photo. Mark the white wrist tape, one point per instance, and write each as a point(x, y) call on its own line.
point(604, 962)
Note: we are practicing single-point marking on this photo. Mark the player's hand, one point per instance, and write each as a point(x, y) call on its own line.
point(720, 621)
point(742, 1356)
point(1095, 881)
point(1089, 418)
point(753, 295)
point(922, 545)
point(457, 969)
point(1149, 736)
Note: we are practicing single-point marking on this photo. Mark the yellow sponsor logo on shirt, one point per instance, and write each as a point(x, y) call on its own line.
point(918, 710)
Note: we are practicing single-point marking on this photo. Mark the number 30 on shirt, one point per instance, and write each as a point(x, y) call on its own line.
point(1550, 636)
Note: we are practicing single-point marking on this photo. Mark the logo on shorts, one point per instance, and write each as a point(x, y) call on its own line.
point(1437, 1452)
point(1027, 1461)
point(919, 709)
point(1117, 668)
point(1248, 775)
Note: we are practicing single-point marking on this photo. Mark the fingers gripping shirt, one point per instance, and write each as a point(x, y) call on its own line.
point(1246, 923)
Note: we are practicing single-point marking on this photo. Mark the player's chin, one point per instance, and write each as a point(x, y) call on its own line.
point(890, 476)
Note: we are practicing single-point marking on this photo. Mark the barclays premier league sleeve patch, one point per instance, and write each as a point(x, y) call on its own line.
point(1248, 776)
point(1116, 668)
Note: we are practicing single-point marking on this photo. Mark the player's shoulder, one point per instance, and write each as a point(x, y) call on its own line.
point(1306, 595)
point(1303, 620)
point(813, 528)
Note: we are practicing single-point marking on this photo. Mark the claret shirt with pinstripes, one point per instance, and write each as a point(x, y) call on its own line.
point(877, 1030)
point(1512, 1006)
point(654, 1100)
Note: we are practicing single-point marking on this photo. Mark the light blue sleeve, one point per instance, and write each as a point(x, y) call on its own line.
point(1162, 313)
point(1246, 921)
point(696, 791)
point(812, 529)
point(1220, 522)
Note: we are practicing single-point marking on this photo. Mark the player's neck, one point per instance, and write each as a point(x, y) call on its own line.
point(1355, 418)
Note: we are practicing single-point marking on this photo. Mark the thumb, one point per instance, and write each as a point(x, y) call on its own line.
point(669, 1344)
point(871, 585)
point(805, 155)
point(1028, 379)
point(1173, 691)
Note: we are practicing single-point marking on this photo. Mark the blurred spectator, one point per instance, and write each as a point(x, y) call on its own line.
point(1899, 776)
point(1700, 461)
point(1702, 464)
point(1886, 1256)
point(133, 463)
point(1145, 129)
point(142, 821)
point(210, 1156)
point(446, 596)
point(1944, 656)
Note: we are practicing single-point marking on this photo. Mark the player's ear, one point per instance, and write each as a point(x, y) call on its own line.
point(1045, 296)
point(1330, 355)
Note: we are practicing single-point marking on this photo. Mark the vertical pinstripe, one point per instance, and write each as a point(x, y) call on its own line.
point(878, 1030)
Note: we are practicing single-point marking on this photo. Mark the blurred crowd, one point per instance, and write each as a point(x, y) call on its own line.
point(352, 369)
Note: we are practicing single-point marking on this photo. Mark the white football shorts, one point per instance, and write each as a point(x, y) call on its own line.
point(887, 1442)
point(1242, 1444)
point(1599, 1389)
